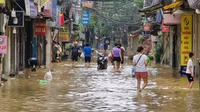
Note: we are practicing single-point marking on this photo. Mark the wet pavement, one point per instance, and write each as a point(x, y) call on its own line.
point(80, 89)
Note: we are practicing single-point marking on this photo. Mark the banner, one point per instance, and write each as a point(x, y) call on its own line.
point(40, 27)
point(64, 36)
point(54, 6)
point(186, 38)
point(77, 15)
point(3, 44)
point(1, 1)
point(85, 17)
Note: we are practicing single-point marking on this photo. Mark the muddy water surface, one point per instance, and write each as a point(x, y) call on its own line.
point(78, 88)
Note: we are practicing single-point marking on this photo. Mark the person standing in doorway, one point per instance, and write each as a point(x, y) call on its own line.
point(190, 70)
point(75, 53)
point(140, 63)
point(88, 54)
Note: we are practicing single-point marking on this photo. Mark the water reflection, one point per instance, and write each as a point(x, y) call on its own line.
point(88, 89)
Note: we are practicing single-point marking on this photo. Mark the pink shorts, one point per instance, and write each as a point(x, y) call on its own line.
point(141, 75)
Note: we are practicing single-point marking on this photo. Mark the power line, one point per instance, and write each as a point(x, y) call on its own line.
point(113, 20)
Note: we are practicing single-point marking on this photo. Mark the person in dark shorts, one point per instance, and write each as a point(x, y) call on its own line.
point(88, 54)
point(33, 63)
point(117, 57)
point(190, 70)
point(75, 51)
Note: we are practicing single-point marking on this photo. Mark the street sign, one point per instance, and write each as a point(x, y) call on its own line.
point(85, 17)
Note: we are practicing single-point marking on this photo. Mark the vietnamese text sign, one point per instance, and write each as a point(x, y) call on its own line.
point(3, 44)
point(64, 36)
point(40, 27)
point(186, 38)
point(1, 1)
point(85, 17)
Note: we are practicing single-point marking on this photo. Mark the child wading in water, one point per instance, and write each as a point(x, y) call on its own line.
point(190, 70)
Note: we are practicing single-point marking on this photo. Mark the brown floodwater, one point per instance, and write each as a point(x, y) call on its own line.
point(80, 89)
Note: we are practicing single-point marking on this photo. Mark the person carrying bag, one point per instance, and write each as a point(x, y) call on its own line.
point(133, 68)
point(140, 63)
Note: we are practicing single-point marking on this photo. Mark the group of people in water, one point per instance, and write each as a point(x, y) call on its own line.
point(140, 62)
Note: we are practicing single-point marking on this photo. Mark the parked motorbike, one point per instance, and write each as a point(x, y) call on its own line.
point(102, 61)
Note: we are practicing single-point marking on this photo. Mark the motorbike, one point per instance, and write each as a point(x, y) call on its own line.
point(102, 61)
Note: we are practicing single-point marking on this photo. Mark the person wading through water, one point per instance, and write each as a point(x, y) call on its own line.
point(140, 62)
point(74, 54)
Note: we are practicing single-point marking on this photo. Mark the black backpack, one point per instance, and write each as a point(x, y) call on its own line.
point(75, 51)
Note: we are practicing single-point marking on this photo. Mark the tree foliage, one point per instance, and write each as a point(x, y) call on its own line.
point(111, 16)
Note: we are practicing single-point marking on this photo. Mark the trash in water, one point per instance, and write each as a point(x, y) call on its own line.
point(48, 75)
point(154, 72)
point(43, 81)
point(21, 72)
point(41, 66)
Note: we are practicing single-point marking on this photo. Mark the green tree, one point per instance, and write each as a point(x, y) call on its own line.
point(110, 16)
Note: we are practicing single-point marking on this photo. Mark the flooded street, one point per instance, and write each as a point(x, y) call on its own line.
point(81, 89)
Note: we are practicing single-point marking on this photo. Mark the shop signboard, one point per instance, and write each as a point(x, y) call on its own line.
point(54, 6)
point(85, 17)
point(33, 11)
point(64, 36)
point(40, 27)
point(27, 7)
point(77, 15)
point(58, 13)
point(186, 40)
point(1, 1)
point(3, 44)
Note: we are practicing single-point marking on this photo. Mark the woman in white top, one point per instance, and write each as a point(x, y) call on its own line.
point(140, 63)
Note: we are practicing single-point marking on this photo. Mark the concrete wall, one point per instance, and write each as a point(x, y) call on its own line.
point(196, 41)
point(48, 46)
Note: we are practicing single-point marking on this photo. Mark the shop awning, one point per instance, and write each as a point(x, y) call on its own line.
point(174, 6)
point(151, 8)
